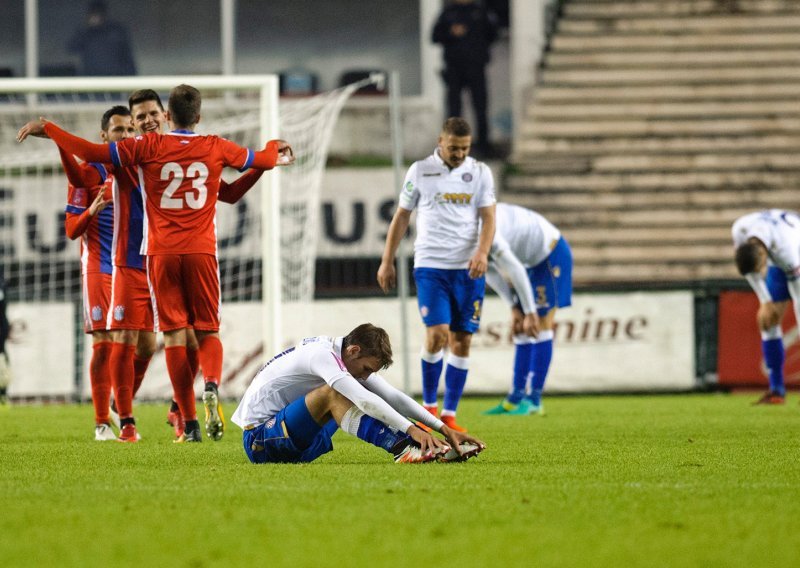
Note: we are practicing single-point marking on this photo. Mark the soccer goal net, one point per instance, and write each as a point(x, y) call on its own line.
point(266, 241)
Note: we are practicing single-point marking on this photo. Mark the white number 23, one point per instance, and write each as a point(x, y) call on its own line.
point(197, 172)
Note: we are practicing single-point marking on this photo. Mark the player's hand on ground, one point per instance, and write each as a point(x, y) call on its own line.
point(99, 203)
point(32, 128)
point(427, 442)
point(457, 438)
point(478, 264)
point(387, 276)
point(530, 325)
point(285, 153)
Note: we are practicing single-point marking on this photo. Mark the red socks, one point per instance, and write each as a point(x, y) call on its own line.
point(194, 361)
point(121, 364)
point(182, 380)
point(99, 376)
point(211, 358)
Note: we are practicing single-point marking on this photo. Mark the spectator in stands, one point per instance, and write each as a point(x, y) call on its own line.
point(103, 45)
point(5, 370)
point(466, 30)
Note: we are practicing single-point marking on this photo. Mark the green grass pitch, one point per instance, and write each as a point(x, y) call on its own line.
point(692, 480)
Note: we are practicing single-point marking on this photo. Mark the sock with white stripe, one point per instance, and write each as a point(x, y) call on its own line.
point(455, 377)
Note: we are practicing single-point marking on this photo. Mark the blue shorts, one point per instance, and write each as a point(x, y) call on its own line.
point(291, 436)
point(777, 284)
point(551, 279)
point(450, 296)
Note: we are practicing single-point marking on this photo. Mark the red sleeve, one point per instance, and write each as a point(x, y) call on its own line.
point(85, 150)
point(133, 151)
point(79, 175)
point(76, 225)
point(233, 192)
point(267, 158)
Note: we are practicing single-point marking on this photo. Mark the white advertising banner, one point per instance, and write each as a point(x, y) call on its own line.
point(41, 349)
point(604, 343)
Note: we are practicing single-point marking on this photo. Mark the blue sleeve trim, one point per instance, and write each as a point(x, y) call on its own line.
point(74, 209)
point(101, 169)
point(114, 155)
point(249, 161)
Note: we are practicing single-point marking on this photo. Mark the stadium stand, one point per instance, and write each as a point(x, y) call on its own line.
point(654, 125)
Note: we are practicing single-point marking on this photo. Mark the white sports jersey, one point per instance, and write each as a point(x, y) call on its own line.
point(314, 362)
point(779, 230)
point(524, 233)
point(447, 203)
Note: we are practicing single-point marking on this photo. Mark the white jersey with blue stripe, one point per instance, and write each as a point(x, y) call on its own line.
point(447, 203)
point(779, 231)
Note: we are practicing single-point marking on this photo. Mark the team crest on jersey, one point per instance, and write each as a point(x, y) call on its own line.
point(97, 313)
point(79, 197)
point(119, 313)
point(271, 422)
point(424, 311)
point(467, 177)
point(139, 137)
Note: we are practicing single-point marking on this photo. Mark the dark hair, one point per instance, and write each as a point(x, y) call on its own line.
point(143, 95)
point(748, 257)
point(456, 126)
point(374, 342)
point(98, 7)
point(117, 110)
point(184, 105)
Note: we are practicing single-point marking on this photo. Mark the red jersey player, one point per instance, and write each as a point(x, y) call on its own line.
point(180, 174)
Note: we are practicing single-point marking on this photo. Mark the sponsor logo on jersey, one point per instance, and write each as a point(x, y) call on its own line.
point(453, 198)
point(119, 313)
point(432, 175)
point(97, 313)
point(409, 188)
point(466, 176)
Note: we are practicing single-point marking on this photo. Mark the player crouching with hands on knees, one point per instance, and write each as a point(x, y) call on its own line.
point(301, 396)
point(767, 254)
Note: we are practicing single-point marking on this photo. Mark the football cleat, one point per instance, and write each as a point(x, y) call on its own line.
point(450, 422)
point(468, 450)
point(413, 454)
point(771, 397)
point(128, 434)
point(189, 436)
point(504, 407)
point(104, 433)
point(525, 408)
point(432, 408)
point(175, 419)
point(112, 414)
point(215, 420)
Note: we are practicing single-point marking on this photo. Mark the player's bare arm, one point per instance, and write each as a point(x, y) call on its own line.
point(99, 204)
point(285, 153)
point(480, 260)
point(32, 128)
point(457, 438)
point(387, 275)
point(427, 442)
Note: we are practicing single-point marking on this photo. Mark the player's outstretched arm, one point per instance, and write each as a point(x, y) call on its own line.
point(32, 128)
point(234, 191)
point(85, 150)
point(79, 175)
point(276, 153)
point(387, 276)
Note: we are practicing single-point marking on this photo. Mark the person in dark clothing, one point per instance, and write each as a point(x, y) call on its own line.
point(466, 30)
point(103, 45)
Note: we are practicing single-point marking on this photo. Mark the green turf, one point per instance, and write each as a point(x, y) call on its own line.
point(702, 480)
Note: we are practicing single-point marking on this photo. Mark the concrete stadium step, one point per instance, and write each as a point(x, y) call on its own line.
point(657, 8)
point(735, 91)
point(756, 199)
point(698, 75)
point(653, 272)
point(653, 41)
point(666, 59)
point(769, 161)
point(652, 181)
point(707, 24)
point(581, 236)
point(533, 145)
point(621, 254)
point(646, 127)
point(719, 217)
point(576, 110)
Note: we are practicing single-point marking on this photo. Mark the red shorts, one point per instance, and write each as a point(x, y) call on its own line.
point(131, 305)
point(96, 299)
point(186, 291)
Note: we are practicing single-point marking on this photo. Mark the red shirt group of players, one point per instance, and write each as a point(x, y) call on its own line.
point(144, 207)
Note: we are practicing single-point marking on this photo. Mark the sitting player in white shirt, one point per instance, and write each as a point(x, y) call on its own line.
point(768, 255)
point(301, 396)
point(532, 254)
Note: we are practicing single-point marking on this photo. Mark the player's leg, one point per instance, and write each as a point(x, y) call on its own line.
point(145, 349)
point(201, 273)
point(466, 297)
point(434, 307)
point(523, 352)
point(96, 299)
point(769, 319)
point(122, 378)
point(171, 316)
